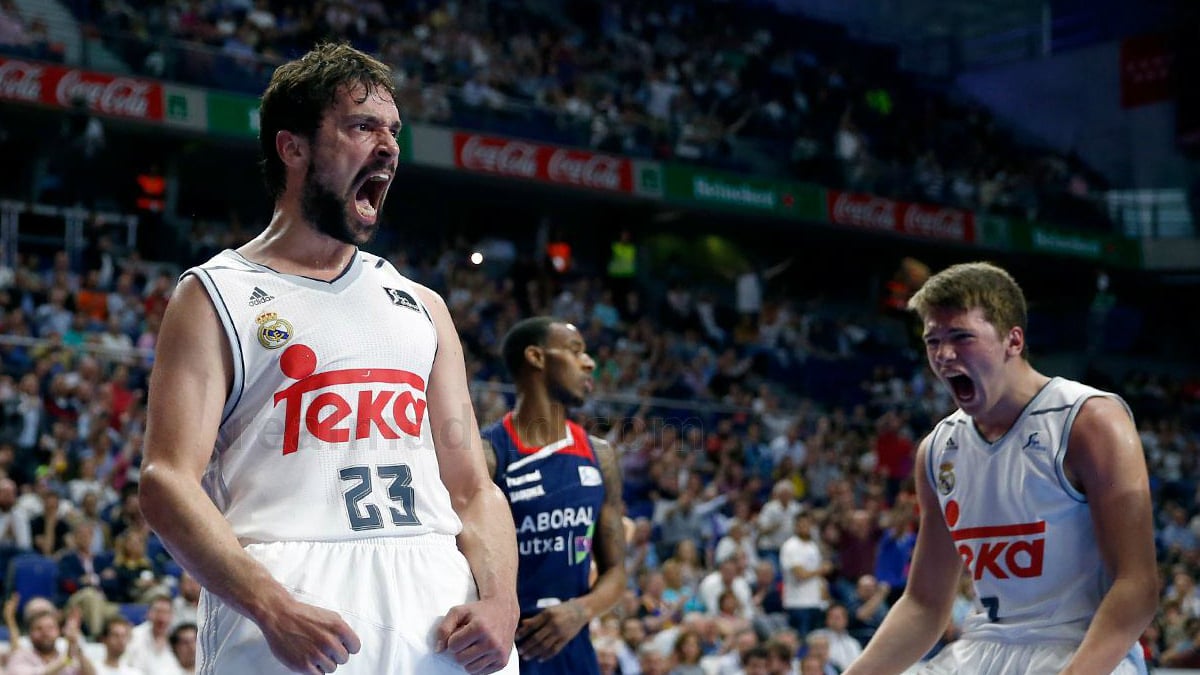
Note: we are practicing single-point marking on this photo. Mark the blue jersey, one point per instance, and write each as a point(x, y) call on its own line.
point(555, 494)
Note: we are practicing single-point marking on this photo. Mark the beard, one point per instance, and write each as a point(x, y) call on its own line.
point(559, 392)
point(329, 212)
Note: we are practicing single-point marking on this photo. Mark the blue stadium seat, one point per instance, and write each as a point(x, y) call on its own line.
point(31, 575)
point(134, 612)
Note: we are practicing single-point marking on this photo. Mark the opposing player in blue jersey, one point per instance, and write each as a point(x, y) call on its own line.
point(564, 489)
point(1038, 485)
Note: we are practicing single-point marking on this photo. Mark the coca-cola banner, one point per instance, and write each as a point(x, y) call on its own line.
point(61, 87)
point(917, 220)
point(546, 163)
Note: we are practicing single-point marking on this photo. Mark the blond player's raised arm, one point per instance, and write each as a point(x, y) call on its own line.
point(919, 617)
point(1105, 459)
point(188, 389)
point(479, 635)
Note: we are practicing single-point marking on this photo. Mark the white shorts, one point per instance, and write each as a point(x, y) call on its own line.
point(391, 591)
point(983, 657)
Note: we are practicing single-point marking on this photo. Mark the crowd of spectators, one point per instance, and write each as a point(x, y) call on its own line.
point(733, 467)
point(726, 84)
point(26, 38)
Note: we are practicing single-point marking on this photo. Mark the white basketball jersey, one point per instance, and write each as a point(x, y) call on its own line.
point(325, 435)
point(1024, 532)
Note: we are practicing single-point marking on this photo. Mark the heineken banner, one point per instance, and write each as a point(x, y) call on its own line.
point(703, 187)
point(1047, 240)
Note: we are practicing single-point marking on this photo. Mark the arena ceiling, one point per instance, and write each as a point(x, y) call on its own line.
point(909, 19)
point(929, 32)
point(954, 18)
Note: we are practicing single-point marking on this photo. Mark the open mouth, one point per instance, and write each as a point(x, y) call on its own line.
point(369, 197)
point(963, 387)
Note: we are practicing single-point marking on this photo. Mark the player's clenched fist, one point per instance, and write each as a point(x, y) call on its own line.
point(309, 639)
point(479, 635)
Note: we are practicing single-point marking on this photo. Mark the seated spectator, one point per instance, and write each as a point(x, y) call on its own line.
point(652, 608)
point(867, 608)
point(15, 536)
point(651, 661)
point(606, 656)
point(50, 527)
point(730, 617)
point(685, 656)
point(633, 638)
point(126, 513)
point(43, 654)
point(150, 650)
point(679, 596)
point(115, 638)
point(183, 646)
point(187, 603)
point(13, 32)
point(843, 647)
point(727, 577)
point(79, 579)
point(757, 661)
point(89, 510)
point(131, 577)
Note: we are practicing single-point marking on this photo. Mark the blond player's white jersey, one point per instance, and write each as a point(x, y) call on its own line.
point(1024, 532)
point(325, 435)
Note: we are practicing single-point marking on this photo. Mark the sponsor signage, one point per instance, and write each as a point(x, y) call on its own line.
point(63, 87)
point(233, 114)
point(887, 215)
point(702, 187)
point(185, 107)
point(1039, 238)
point(543, 163)
point(993, 231)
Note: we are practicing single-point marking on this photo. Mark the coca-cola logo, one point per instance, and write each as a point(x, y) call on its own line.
point(118, 96)
point(872, 212)
point(586, 169)
point(510, 158)
point(20, 81)
point(940, 223)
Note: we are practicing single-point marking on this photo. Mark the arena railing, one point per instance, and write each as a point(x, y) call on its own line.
point(40, 228)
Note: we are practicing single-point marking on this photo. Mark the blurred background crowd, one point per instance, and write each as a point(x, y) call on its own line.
point(765, 405)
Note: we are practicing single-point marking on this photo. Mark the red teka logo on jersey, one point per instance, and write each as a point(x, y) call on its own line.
point(334, 418)
point(999, 553)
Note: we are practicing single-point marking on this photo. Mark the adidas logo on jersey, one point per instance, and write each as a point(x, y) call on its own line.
point(258, 296)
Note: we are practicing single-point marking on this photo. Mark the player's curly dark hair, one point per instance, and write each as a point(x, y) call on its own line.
point(301, 91)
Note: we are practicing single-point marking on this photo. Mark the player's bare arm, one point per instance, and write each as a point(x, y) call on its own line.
point(919, 617)
point(479, 635)
point(188, 388)
point(1105, 461)
point(551, 629)
point(489, 456)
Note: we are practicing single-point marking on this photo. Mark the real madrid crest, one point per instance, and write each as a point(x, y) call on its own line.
point(945, 478)
point(273, 332)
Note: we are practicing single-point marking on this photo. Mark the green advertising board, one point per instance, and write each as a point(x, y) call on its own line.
point(233, 114)
point(701, 187)
point(185, 107)
point(1104, 248)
